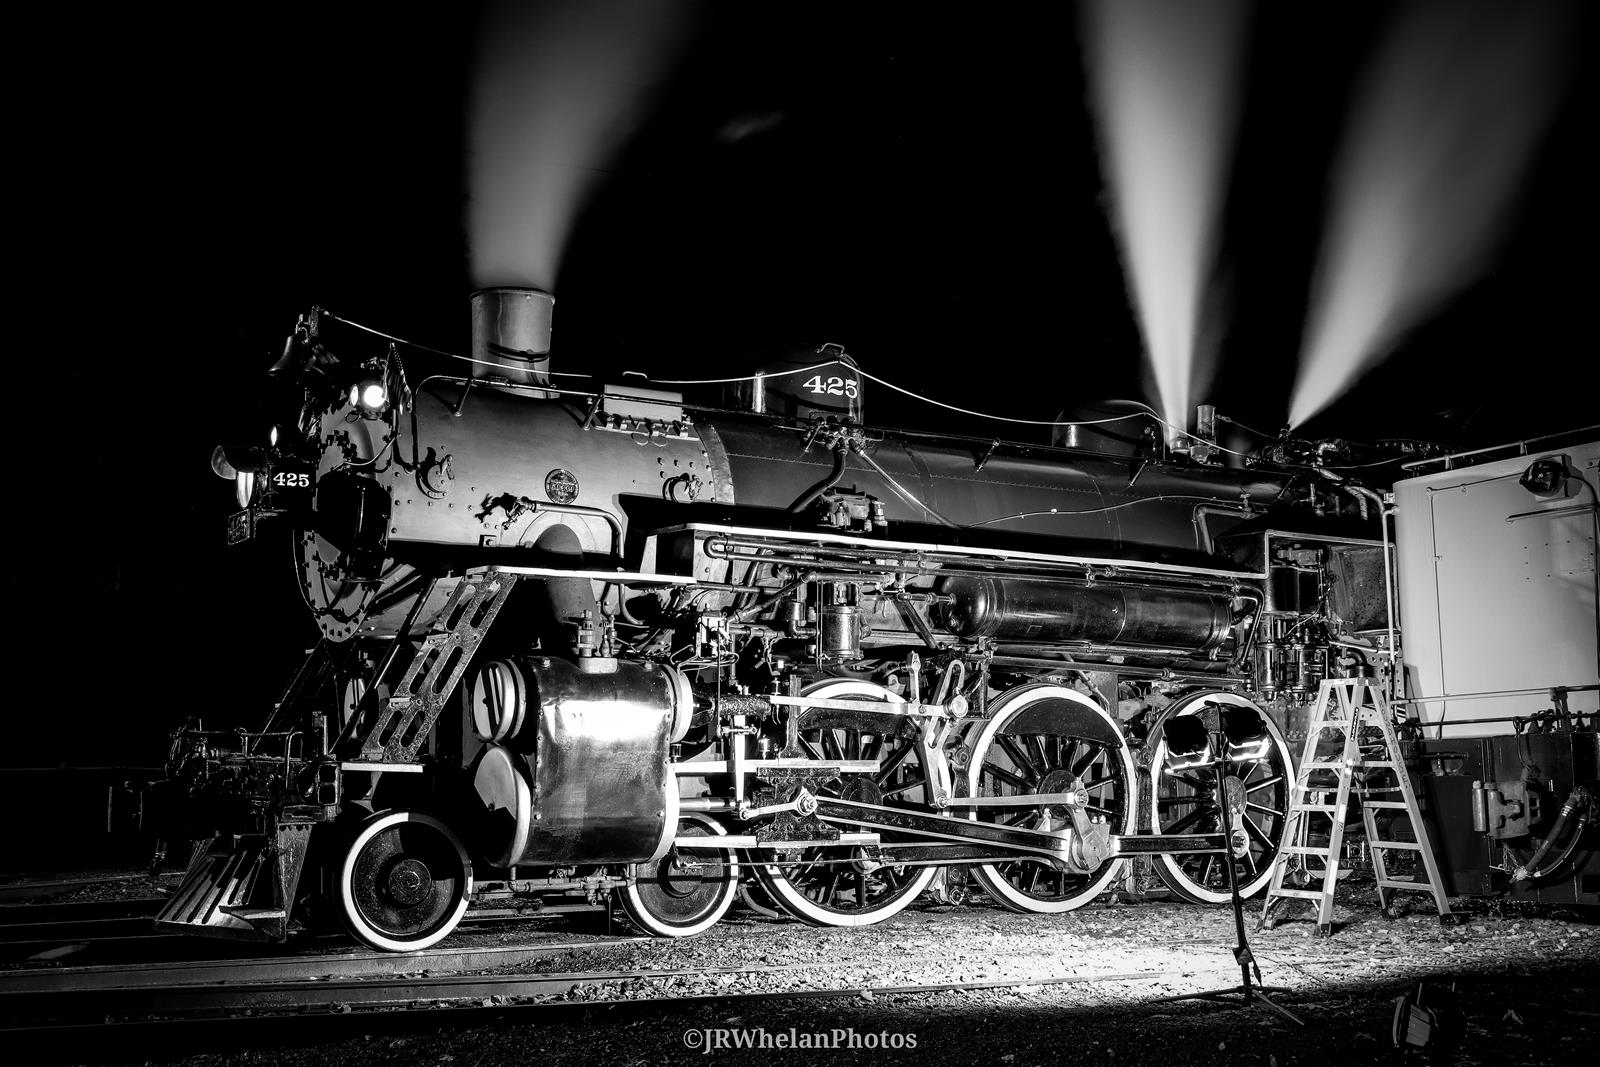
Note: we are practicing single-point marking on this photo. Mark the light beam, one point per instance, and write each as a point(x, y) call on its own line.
point(1163, 80)
point(562, 84)
point(1457, 100)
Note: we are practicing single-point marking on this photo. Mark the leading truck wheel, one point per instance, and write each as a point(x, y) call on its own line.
point(688, 889)
point(1256, 786)
point(405, 882)
point(846, 885)
point(1044, 738)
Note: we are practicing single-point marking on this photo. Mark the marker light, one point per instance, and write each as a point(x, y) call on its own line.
point(244, 488)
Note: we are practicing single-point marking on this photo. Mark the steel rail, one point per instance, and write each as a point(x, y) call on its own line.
point(127, 924)
point(13, 916)
point(480, 990)
point(238, 973)
point(396, 990)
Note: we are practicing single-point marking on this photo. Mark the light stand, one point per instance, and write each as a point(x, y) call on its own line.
point(1253, 995)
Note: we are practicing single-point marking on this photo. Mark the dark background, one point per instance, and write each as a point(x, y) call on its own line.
point(185, 184)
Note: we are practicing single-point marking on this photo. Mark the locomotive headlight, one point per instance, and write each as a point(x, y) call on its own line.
point(369, 396)
point(272, 438)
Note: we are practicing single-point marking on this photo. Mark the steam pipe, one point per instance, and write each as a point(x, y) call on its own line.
point(905, 494)
point(772, 597)
point(803, 501)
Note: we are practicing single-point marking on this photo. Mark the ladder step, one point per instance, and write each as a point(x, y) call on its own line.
point(1358, 711)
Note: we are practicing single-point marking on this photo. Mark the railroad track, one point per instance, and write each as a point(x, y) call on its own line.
point(346, 979)
point(197, 1016)
point(120, 931)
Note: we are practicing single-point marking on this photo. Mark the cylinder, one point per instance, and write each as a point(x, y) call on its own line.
point(576, 768)
point(1014, 610)
point(511, 335)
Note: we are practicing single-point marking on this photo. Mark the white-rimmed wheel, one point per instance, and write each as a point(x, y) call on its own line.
point(405, 882)
point(687, 890)
point(849, 885)
point(1043, 738)
point(1256, 783)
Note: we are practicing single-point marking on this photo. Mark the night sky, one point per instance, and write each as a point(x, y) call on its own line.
point(916, 181)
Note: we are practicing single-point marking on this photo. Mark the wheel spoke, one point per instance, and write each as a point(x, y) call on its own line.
point(892, 764)
point(830, 745)
point(1251, 787)
point(1083, 764)
point(1019, 757)
point(1255, 831)
point(1187, 821)
point(1263, 809)
point(1022, 785)
point(1100, 783)
point(1199, 785)
point(1035, 746)
point(1069, 751)
point(904, 788)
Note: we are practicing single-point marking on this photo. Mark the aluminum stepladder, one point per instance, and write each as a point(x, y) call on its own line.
point(1347, 706)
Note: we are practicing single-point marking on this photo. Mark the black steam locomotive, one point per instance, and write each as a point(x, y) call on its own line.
point(602, 640)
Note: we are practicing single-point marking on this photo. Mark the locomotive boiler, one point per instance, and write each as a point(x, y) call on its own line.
point(620, 641)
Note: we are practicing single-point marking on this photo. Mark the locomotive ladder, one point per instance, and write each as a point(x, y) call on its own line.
point(401, 723)
point(1348, 706)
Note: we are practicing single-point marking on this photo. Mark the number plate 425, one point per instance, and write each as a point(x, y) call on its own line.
point(834, 386)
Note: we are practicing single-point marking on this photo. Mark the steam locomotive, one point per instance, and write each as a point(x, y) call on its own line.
point(606, 641)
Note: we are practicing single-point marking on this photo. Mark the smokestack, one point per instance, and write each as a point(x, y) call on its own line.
point(511, 335)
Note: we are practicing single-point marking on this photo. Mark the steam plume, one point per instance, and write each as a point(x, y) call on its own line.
point(562, 84)
point(1456, 103)
point(1162, 75)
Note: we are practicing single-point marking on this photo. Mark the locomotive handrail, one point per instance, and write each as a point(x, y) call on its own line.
point(877, 547)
